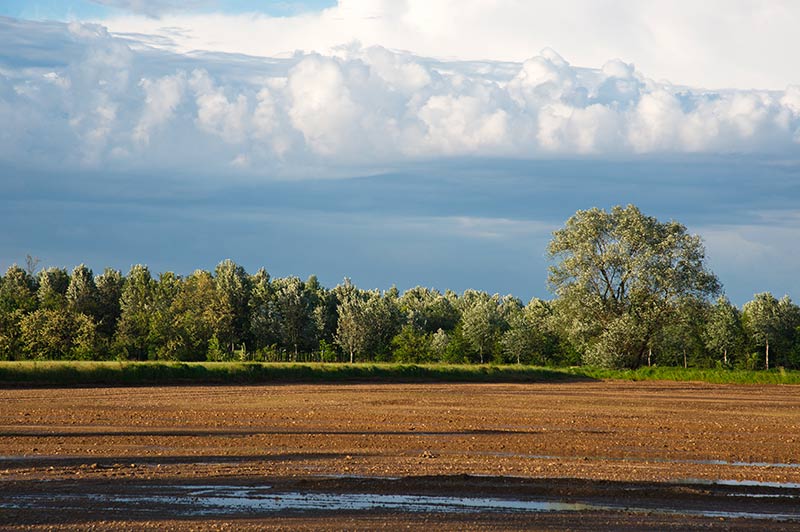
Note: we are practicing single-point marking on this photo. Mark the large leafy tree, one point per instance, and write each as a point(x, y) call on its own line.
point(621, 277)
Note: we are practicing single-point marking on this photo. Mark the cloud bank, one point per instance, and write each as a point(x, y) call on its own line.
point(712, 44)
point(78, 96)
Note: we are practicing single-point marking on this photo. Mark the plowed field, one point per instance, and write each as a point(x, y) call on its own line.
point(625, 455)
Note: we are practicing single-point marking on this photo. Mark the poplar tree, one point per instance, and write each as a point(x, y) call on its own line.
point(136, 306)
point(82, 291)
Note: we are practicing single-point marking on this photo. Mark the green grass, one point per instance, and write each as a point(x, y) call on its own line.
point(70, 373)
point(148, 373)
point(716, 376)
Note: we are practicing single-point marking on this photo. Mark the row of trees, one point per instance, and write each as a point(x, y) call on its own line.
point(231, 314)
point(629, 291)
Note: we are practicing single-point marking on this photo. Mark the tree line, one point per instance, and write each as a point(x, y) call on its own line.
point(630, 291)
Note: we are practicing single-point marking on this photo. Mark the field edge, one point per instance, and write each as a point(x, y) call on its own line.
point(127, 373)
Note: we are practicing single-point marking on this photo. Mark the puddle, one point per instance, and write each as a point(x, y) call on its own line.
point(747, 483)
point(734, 464)
point(763, 495)
point(204, 500)
point(355, 477)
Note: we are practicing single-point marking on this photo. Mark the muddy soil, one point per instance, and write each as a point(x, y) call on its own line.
point(638, 455)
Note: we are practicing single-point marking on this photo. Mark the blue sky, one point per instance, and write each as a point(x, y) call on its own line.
point(376, 140)
point(68, 10)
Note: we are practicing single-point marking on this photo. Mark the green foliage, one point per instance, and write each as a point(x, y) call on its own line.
point(368, 321)
point(160, 373)
point(772, 325)
point(411, 345)
point(723, 332)
point(260, 308)
point(530, 338)
point(440, 341)
point(327, 352)
point(11, 347)
point(109, 293)
point(292, 314)
point(82, 291)
point(163, 339)
point(52, 290)
point(481, 322)
point(214, 353)
point(197, 313)
point(620, 278)
point(234, 288)
point(58, 334)
point(458, 350)
point(17, 290)
point(428, 310)
point(136, 306)
point(629, 289)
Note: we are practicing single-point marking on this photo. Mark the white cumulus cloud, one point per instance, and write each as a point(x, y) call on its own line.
point(102, 101)
point(713, 43)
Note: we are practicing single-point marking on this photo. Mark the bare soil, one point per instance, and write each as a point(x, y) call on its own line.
point(637, 447)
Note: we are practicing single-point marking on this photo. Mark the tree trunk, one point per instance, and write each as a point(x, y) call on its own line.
point(685, 365)
point(481, 352)
point(351, 356)
point(725, 356)
point(766, 356)
point(649, 357)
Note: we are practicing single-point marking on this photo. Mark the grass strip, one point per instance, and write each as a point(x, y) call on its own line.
point(73, 373)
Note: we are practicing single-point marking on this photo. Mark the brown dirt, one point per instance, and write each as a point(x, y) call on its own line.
point(619, 432)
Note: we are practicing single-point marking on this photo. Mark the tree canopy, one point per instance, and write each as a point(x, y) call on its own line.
point(629, 290)
point(621, 278)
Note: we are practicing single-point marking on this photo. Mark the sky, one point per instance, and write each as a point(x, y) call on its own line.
point(434, 143)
